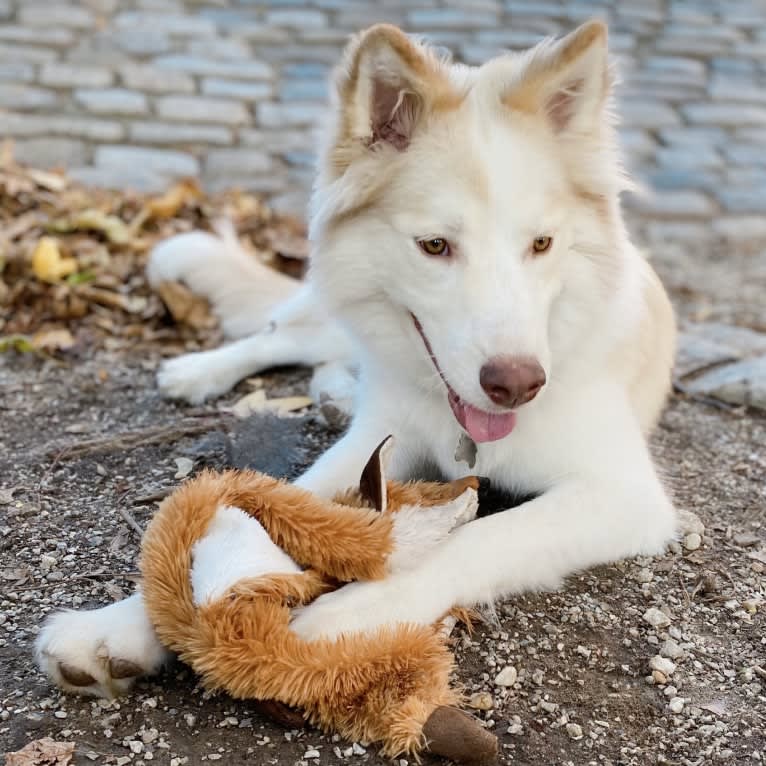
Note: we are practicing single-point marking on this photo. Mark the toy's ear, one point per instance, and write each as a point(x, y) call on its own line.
point(372, 484)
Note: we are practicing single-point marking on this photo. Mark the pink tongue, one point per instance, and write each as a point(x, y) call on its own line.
point(482, 426)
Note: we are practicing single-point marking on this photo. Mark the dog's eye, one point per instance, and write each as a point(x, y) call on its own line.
point(541, 244)
point(435, 246)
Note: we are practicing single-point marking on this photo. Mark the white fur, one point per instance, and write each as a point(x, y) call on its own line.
point(235, 547)
point(489, 179)
point(417, 530)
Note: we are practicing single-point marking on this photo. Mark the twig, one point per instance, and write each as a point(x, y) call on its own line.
point(131, 522)
point(70, 578)
point(46, 474)
point(141, 437)
point(152, 497)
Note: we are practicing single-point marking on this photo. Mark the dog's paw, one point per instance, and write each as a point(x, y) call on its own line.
point(418, 528)
point(100, 653)
point(192, 378)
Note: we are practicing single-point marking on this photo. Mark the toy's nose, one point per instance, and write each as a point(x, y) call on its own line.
point(510, 381)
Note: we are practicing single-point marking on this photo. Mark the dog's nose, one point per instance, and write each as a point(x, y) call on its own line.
point(511, 381)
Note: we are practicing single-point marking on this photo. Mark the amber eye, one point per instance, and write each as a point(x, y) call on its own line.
point(436, 246)
point(541, 244)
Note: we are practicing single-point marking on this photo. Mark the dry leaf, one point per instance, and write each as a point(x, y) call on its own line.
point(42, 752)
point(48, 264)
point(54, 182)
point(111, 226)
point(53, 340)
point(185, 306)
point(290, 245)
point(257, 402)
point(130, 304)
point(170, 203)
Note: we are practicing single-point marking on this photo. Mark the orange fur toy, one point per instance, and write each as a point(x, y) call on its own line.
point(230, 620)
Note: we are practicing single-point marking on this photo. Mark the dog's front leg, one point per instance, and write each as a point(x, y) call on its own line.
point(609, 504)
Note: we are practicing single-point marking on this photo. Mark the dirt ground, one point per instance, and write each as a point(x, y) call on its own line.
point(584, 689)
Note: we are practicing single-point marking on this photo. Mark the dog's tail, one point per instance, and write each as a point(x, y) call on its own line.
point(242, 291)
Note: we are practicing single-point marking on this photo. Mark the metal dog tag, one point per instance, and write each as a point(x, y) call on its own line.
point(466, 450)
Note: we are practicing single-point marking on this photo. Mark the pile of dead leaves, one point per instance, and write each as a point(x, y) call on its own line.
point(72, 260)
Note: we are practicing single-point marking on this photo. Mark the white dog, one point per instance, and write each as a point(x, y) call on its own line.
point(467, 234)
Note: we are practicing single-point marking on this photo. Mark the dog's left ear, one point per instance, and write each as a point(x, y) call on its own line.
point(568, 80)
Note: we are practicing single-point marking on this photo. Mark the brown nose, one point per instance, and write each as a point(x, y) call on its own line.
point(511, 381)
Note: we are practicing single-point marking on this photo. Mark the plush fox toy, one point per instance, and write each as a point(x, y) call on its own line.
point(229, 556)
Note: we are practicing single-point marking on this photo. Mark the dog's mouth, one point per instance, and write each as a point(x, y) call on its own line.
point(480, 425)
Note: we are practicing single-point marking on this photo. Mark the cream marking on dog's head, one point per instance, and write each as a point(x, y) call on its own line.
point(479, 200)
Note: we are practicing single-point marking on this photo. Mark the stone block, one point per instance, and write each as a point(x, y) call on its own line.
point(725, 115)
point(154, 80)
point(55, 37)
point(14, 96)
point(179, 133)
point(61, 75)
point(246, 91)
point(647, 114)
point(228, 162)
point(50, 152)
point(291, 114)
point(112, 101)
point(52, 15)
point(202, 109)
point(16, 71)
point(243, 70)
point(295, 18)
point(164, 161)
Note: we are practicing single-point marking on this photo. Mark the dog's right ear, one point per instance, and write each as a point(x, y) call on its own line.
point(386, 86)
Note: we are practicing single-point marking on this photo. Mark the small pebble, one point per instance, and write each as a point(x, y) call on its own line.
point(671, 649)
point(481, 701)
point(676, 705)
point(656, 617)
point(689, 522)
point(574, 730)
point(506, 677)
point(692, 541)
point(311, 754)
point(663, 664)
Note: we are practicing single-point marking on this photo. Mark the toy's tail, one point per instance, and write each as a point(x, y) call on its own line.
point(380, 686)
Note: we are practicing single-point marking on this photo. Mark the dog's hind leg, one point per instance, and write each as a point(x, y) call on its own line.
point(299, 333)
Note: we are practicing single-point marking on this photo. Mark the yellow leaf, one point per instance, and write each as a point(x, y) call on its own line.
point(257, 402)
point(112, 227)
point(48, 264)
point(53, 340)
point(168, 204)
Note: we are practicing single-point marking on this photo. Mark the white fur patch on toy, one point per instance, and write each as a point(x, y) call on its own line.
point(235, 547)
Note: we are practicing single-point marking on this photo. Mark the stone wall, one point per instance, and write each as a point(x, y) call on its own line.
point(135, 92)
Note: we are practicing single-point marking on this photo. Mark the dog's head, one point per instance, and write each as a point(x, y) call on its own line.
point(457, 208)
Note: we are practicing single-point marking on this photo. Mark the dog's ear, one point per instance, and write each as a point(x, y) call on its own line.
point(387, 84)
point(567, 80)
